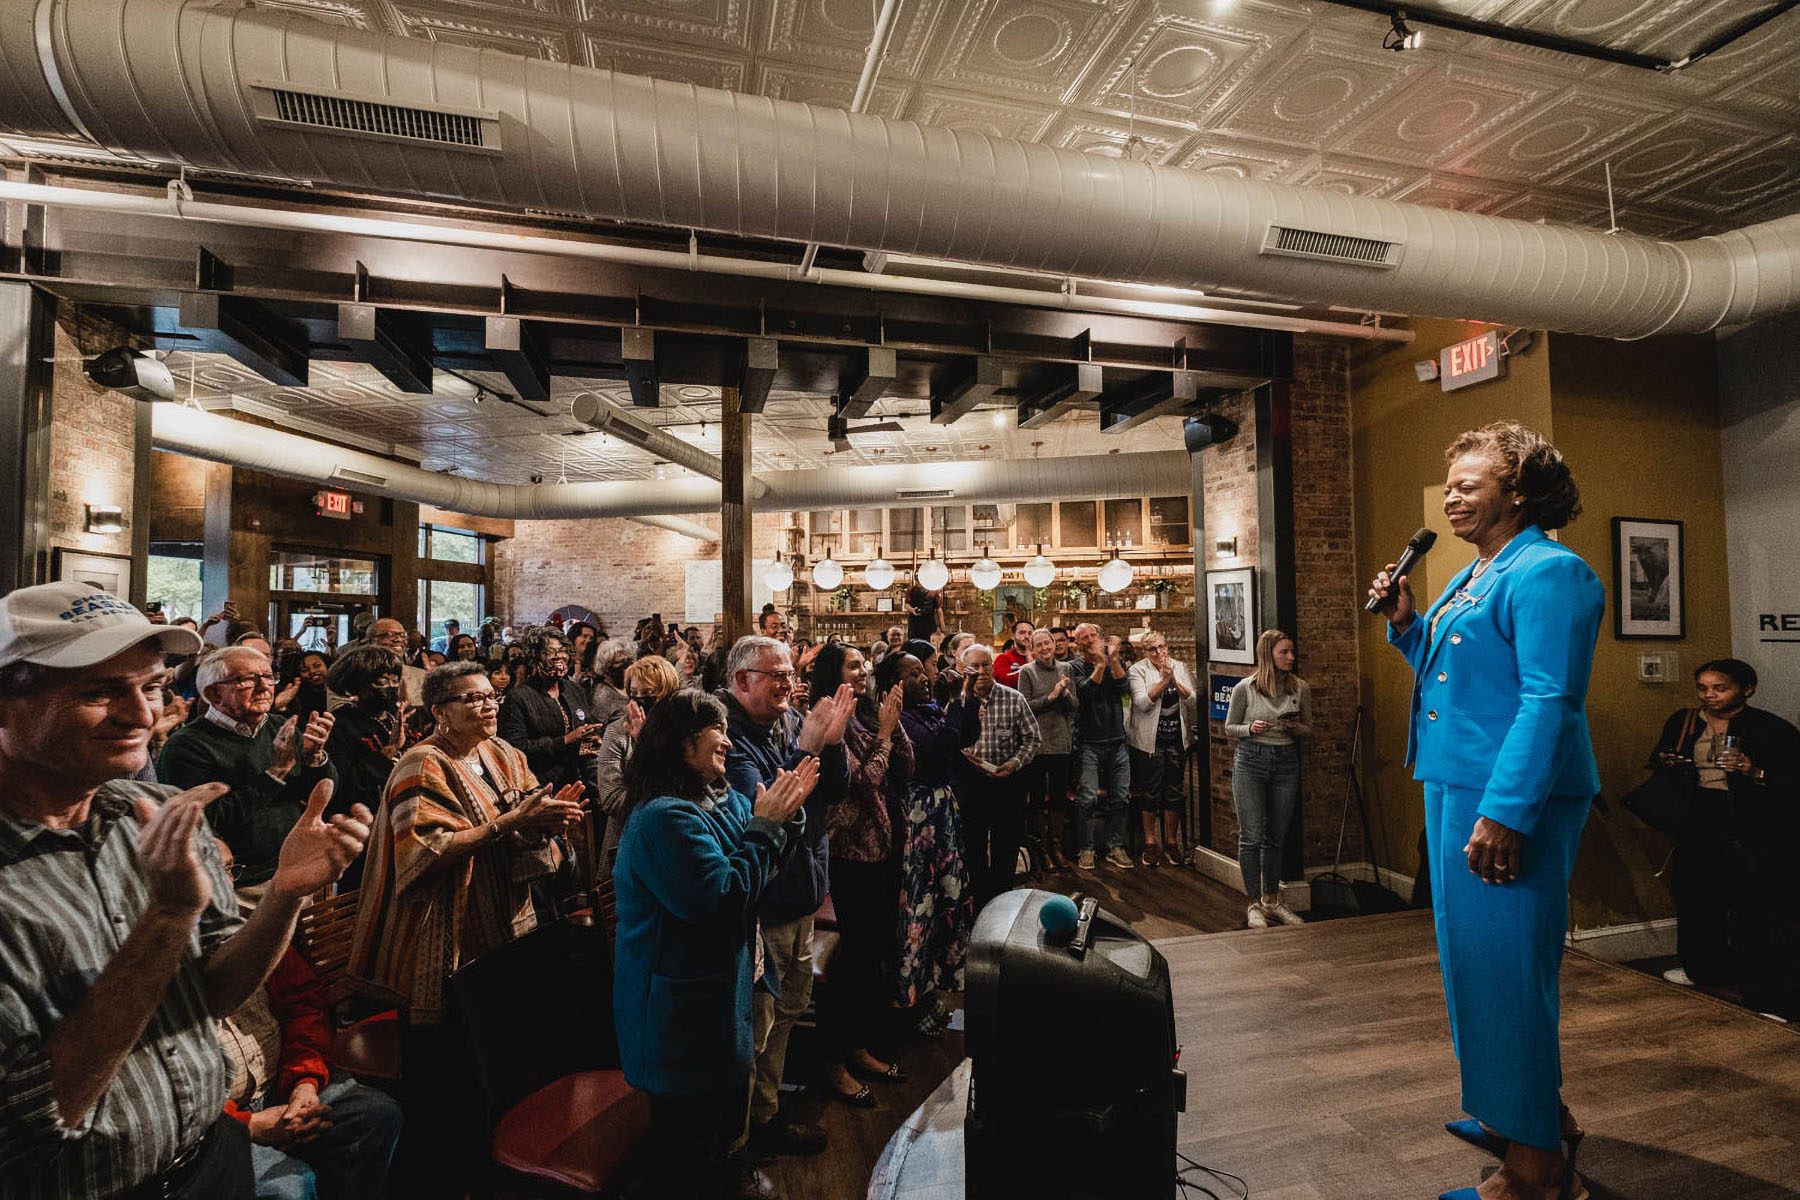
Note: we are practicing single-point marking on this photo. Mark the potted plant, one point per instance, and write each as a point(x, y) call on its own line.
point(844, 597)
point(1075, 594)
point(1161, 587)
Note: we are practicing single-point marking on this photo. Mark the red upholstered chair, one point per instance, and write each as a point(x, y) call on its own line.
point(537, 1016)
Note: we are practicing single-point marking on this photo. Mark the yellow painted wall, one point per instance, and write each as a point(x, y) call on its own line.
point(1639, 424)
point(1399, 428)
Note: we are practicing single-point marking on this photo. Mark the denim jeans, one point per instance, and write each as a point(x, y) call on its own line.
point(1091, 759)
point(349, 1161)
point(1265, 782)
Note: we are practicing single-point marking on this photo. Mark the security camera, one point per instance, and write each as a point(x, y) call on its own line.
point(132, 372)
point(537, 477)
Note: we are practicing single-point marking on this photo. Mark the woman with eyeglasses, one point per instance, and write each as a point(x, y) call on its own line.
point(693, 861)
point(647, 681)
point(464, 829)
point(865, 875)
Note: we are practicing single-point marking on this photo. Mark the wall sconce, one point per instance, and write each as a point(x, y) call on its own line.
point(105, 518)
point(1225, 547)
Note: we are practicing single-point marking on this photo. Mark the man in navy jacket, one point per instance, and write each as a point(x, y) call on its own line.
point(759, 685)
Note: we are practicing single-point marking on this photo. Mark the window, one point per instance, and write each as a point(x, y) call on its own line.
point(317, 572)
point(172, 578)
point(441, 600)
point(450, 545)
point(950, 529)
point(906, 530)
point(1080, 520)
point(1034, 525)
point(1125, 522)
point(1169, 521)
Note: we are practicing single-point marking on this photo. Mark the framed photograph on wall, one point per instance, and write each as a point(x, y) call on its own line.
point(108, 572)
point(1649, 579)
point(1231, 616)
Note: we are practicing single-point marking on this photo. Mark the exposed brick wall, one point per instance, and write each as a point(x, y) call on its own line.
point(1230, 511)
point(620, 569)
point(92, 450)
point(1325, 570)
point(1325, 578)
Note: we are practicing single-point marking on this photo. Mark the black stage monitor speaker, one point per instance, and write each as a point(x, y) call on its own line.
point(1071, 1032)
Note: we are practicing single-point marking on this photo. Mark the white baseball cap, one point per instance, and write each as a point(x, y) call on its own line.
point(75, 625)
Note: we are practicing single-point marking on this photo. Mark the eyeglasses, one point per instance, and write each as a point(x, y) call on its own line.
point(251, 683)
point(639, 696)
point(476, 700)
point(786, 677)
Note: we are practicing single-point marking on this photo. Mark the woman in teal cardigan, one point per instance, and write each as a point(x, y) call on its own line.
point(693, 860)
point(1499, 738)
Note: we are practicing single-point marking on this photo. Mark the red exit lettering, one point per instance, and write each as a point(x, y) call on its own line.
point(1470, 356)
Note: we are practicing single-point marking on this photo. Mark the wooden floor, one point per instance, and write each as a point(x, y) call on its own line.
point(1160, 902)
point(1319, 1068)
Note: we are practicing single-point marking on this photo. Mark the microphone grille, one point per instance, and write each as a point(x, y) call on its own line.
point(1423, 540)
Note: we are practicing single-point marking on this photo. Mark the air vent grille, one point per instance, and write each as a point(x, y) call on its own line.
point(374, 119)
point(342, 474)
point(925, 494)
point(1331, 247)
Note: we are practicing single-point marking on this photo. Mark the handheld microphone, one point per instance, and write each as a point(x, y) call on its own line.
point(1418, 547)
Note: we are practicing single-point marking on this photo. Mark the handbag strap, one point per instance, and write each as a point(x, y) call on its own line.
point(1687, 728)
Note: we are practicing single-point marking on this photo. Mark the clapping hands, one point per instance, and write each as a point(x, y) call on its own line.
point(780, 800)
point(825, 722)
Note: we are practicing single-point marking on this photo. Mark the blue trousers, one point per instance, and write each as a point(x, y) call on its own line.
point(1500, 946)
point(1265, 784)
point(349, 1161)
point(1092, 760)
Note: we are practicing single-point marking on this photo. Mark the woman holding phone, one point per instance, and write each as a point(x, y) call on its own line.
point(1270, 710)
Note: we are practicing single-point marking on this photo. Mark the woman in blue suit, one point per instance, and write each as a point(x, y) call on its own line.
point(1499, 738)
point(693, 860)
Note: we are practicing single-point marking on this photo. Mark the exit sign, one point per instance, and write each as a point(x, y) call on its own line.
point(1474, 361)
point(333, 504)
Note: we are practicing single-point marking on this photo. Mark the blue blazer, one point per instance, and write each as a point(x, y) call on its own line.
point(687, 881)
point(1499, 699)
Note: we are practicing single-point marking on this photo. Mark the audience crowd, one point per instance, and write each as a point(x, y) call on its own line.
point(172, 798)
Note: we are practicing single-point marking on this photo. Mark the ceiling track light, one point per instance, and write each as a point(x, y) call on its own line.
point(1400, 35)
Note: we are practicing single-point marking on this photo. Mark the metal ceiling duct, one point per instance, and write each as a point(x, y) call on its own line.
point(190, 431)
point(602, 415)
point(266, 94)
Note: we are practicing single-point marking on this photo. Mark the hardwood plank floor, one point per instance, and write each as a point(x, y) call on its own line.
point(1319, 1068)
point(1159, 902)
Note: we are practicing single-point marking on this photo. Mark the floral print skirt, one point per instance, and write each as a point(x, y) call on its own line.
point(936, 908)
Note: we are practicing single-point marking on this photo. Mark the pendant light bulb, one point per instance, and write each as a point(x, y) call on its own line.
point(933, 574)
point(827, 573)
point(985, 574)
point(779, 575)
point(1040, 572)
point(879, 574)
point(1117, 574)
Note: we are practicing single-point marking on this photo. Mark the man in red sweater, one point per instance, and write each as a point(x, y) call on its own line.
point(1016, 654)
point(312, 1137)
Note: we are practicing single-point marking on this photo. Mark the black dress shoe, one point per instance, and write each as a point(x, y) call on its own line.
point(893, 1074)
point(753, 1183)
point(786, 1137)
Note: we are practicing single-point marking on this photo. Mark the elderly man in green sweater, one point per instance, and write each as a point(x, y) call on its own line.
point(269, 766)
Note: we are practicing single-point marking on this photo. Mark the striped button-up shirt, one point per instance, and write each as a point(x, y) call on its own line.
point(1009, 730)
point(68, 900)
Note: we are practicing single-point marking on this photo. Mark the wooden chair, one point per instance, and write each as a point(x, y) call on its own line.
point(368, 1049)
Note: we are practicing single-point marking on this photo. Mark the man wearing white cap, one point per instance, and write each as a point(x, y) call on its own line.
point(123, 942)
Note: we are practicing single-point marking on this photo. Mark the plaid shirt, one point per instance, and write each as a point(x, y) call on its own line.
point(1009, 730)
point(68, 899)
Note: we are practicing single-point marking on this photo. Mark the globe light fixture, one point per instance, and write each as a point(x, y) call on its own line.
point(985, 574)
point(933, 575)
point(879, 574)
point(779, 575)
point(1040, 572)
point(827, 573)
point(1117, 574)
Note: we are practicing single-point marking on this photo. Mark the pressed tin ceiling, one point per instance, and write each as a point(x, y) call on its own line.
point(1289, 92)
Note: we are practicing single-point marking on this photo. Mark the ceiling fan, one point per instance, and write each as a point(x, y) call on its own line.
point(839, 429)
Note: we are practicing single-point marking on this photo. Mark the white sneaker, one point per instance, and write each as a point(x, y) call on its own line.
point(1678, 975)
point(1257, 918)
point(1116, 857)
point(1774, 1017)
point(1283, 913)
